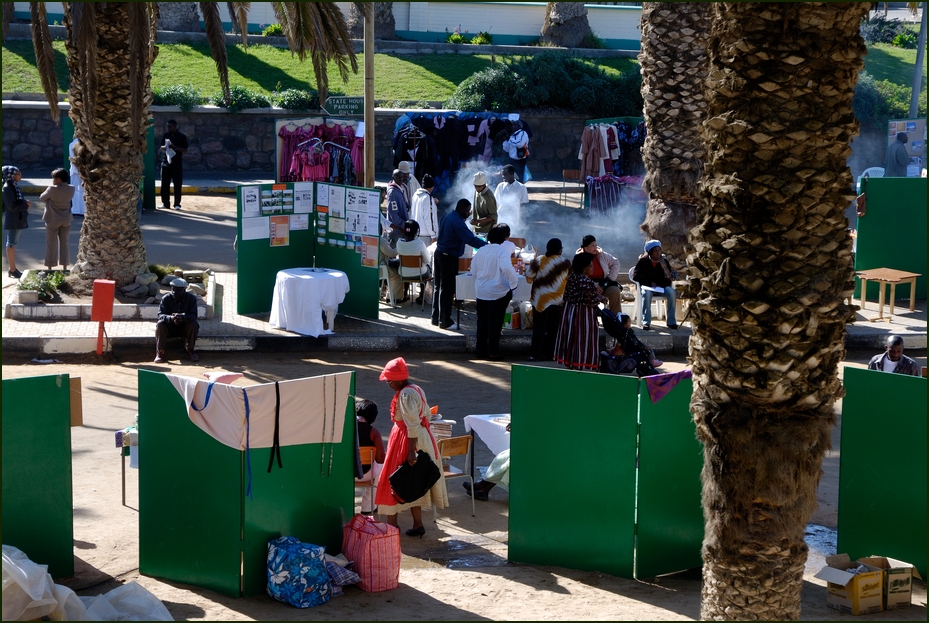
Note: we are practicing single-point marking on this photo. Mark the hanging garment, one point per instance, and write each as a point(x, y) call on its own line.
point(605, 193)
point(591, 154)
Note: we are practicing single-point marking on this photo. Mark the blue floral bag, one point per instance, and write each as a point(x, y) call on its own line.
point(297, 573)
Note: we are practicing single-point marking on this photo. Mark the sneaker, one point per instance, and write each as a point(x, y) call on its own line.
point(452, 327)
point(646, 327)
point(192, 356)
point(672, 326)
point(164, 207)
point(177, 207)
point(159, 357)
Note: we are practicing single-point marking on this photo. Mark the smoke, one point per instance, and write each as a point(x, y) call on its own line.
point(617, 233)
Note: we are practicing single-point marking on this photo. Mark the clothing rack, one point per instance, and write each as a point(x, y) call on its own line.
point(314, 141)
point(336, 145)
point(609, 120)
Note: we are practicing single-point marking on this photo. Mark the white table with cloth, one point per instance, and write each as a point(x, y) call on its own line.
point(464, 288)
point(301, 295)
point(491, 428)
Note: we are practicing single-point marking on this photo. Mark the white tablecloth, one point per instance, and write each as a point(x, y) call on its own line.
point(491, 429)
point(464, 288)
point(302, 294)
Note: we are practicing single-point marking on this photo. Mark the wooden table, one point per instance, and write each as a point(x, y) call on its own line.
point(892, 277)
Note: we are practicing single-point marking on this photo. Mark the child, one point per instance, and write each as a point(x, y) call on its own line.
point(630, 344)
point(365, 414)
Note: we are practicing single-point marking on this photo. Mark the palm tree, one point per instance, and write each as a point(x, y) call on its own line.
point(110, 51)
point(673, 62)
point(773, 267)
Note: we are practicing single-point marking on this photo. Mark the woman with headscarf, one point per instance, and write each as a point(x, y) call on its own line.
point(15, 215)
point(410, 433)
point(579, 333)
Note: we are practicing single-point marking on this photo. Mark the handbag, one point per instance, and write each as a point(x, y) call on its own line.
point(411, 482)
point(522, 152)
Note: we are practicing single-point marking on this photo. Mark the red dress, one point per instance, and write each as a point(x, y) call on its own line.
point(398, 450)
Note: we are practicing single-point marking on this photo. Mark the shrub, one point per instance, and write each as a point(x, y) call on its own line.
point(877, 101)
point(241, 98)
point(184, 96)
point(273, 30)
point(880, 30)
point(592, 42)
point(295, 99)
point(46, 284)
point(482, 38)
point(456, 38)
point(907, 39)
point(162, 270)
point(550, 80)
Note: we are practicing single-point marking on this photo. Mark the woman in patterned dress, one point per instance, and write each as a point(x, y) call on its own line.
point(579, 334)
point(410, 414)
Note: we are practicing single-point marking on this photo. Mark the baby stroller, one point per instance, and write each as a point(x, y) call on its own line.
point(635, 357)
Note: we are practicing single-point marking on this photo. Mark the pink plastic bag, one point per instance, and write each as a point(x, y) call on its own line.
point(374, 547)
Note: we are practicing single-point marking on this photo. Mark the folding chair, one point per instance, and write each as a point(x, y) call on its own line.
point(385, 282)
point(414, 262)
point(574, 177)
point(456, 446)
point(367, 454)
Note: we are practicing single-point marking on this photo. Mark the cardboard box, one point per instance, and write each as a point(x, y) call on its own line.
point(898, 580)
point(855, 593)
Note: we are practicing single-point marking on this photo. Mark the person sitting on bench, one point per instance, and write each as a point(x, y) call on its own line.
point(177, 317)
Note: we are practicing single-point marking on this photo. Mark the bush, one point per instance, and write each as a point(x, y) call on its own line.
point(162, 270)
point(908, 40)
point(880, 30)
point(456, 38)
point(184, 96)
point(295, 99)
point(592, 42)
point(553, 80)
point(482, 38)
point(241, 98)
point(274, 30)
point(45, 283)
point(877, 101)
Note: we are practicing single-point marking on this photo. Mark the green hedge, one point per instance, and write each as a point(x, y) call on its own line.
point(876, 101)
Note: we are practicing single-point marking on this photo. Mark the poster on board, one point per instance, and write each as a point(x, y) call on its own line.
point(280, 231)
point(303, 197)
point(251, 201)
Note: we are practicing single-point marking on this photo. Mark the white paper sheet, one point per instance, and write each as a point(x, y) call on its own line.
point(303, 197)
point(258, 228)
point(251, 201)
point(337, 201)
point(322, 194)
point(299, 221)
point(336, 225)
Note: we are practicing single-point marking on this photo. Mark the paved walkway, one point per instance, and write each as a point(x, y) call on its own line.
point(406, 328)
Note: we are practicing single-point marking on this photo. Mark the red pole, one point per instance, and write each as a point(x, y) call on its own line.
point(100, 339)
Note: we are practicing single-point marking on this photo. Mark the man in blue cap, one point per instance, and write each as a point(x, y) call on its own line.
point(654, 274)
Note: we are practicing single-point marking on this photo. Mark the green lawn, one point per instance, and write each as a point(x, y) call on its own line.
point(885, 62)
point(418, 77)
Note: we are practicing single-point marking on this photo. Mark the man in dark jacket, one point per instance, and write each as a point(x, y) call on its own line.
point(654, 275)
point(177, 317)
point(453, 236)
point(897, 157)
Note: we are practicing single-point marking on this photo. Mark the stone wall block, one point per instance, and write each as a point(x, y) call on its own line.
point(24, 153)
point(220, 161)
point(211, 147)
point(243, 160)
point(252, 142)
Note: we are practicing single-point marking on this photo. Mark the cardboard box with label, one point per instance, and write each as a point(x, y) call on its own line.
point(855, 593)
point(898, 580)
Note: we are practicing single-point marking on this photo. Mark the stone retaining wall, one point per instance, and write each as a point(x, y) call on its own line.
point(224, 142)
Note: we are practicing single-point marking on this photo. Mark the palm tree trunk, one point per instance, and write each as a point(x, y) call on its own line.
point(673, 61)
point(773, 264)
point(109, 155)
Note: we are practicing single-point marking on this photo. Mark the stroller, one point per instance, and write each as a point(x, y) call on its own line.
point(636, 357)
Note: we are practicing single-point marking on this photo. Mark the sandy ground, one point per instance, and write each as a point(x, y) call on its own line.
point(458, 571)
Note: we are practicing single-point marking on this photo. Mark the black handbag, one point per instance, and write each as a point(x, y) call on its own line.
point(411, 482)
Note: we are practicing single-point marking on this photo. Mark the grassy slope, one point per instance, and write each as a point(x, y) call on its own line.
point(885, 62)
point(265, 68)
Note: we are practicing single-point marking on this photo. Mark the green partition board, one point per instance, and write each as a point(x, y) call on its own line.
point(572, 479)
point(892, 234)
point(302, 499)
point(148, 158)
point(882, 467)
point(38, 513)
point(364, 281)
point(670, 515)
point(257, 262)
point(190, 495)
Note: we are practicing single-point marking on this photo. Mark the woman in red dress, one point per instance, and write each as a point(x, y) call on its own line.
point(410, 414)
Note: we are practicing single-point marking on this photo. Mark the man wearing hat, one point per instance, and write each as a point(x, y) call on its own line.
point(177, 317)
point(897, 159)
point(653, 272)
point(410, 183)
point(398, 206)
point(485, 205)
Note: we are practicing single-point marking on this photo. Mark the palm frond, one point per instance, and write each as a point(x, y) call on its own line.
point(217, 40)
point(45, 56)
point(238, 11)
point(8, 14)
point(318, 30)
point(84, 40)
point(139, 37)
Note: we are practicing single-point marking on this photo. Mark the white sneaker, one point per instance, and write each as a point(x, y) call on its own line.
point(452, 327)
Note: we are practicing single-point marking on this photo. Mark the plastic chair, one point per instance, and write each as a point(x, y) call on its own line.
point(869, 172)
point(456, 446)
point(519, 242)
point(572, 176)
point(414, 262)
point(367, 454)
point(661, 303)
point(385, 281)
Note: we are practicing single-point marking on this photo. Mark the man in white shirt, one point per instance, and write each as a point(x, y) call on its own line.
point(510, 192)
point(494, 282)
point(425, 211)
point(893, 359)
